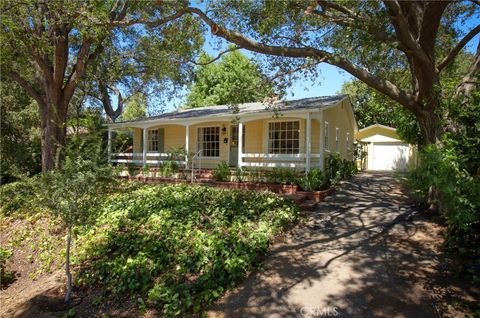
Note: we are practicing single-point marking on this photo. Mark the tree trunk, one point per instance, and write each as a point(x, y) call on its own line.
point(53, 117)
point(68, 295)
point(428, 122)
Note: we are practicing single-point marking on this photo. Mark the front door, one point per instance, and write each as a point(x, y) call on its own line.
point(233, 146)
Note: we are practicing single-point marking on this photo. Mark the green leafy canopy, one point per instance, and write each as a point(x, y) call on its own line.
point(234, 79)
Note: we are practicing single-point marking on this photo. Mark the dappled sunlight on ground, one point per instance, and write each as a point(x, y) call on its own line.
point(360, 254)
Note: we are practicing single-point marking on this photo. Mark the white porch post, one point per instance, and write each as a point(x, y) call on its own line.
point(321, 124)
point(308, 144)
point(145, 145)
point(240, 143)
point(187, 141)
point(109, 144)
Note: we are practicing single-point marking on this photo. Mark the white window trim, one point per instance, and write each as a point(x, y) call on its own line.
point(150, 140)
point(326, 136)
point(219, 142)
point(347, 140)
point(266, 134)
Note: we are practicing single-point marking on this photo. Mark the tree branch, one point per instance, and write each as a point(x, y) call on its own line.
point(471, 79)
point(78, 70)
point(61, 57)
point(384, 86)
point(297, 69)
point(28, 87)
point(460, 45)
point(401, 29)
point(217, 57)
point(150, 23)
point(336, 6)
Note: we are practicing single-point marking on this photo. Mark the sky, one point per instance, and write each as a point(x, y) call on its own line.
point(331, 78)
point(329, 83)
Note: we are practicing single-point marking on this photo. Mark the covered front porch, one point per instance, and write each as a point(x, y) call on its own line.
point(293, 141)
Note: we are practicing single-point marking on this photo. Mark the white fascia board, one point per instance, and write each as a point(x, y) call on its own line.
point(379, 126)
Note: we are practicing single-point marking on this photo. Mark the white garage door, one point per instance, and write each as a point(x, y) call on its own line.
point(389, 156)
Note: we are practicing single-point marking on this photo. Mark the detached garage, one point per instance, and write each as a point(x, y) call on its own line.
point(385, 150)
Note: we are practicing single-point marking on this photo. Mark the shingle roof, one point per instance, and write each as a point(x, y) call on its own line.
point(248, 108)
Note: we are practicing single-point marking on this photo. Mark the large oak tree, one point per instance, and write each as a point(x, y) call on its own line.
point(48, 46)
point(367, 39)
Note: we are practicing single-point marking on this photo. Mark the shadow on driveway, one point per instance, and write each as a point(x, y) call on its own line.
point(358, 255)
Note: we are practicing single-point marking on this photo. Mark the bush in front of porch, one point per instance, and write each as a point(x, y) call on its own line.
point(336, 169)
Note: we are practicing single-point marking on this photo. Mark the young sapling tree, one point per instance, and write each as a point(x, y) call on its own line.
point(70, 194)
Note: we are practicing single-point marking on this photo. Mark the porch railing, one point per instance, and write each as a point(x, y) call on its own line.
point(275, 160)
point(195, 158)
point(137, 158)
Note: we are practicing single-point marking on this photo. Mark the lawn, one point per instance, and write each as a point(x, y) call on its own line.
point(176, 248)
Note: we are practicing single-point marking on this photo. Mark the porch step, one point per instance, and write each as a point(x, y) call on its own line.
point(308, 205)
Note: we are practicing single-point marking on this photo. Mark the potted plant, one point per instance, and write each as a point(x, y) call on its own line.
point(312, 183)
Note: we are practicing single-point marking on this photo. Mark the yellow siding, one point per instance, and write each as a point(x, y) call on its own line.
point(315, 136)
point(211, 163)
point(256, 136)
point(137, 137)
point(337, 117)
point(376, 130)
point(174, 136)
point(314, 162)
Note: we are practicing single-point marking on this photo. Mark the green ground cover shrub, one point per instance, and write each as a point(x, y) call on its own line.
point(168, 168)
point(458, 199)
point(314, 180)
point(222, 172)
point(18, 196)
point(179, 246)
point(5, 276)
point(337, 169)
point(282, 176)
point(452, 169)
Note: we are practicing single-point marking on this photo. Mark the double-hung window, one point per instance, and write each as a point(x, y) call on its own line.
point(284, 137)
point(153, 140)
point(208, 141)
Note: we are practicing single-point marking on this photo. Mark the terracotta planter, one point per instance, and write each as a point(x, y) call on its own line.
point(289, 189)
point(277, 188)
point(317, 196)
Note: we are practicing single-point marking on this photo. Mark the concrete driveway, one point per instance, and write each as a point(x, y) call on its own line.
point(356, 255)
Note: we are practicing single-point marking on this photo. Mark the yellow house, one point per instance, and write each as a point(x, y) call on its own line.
point(299, 134)
point(385, 150)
